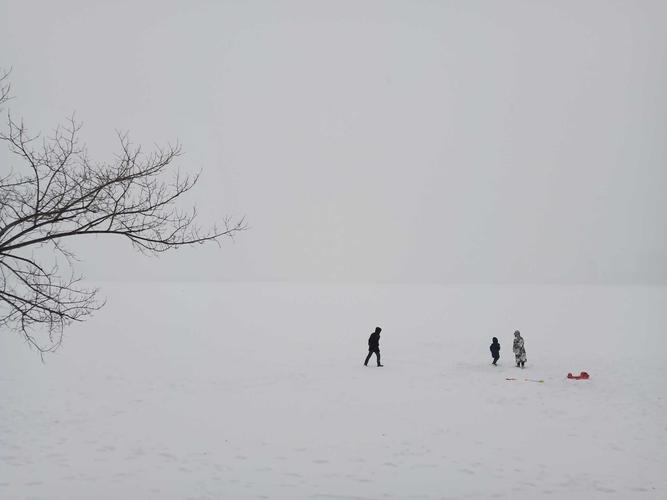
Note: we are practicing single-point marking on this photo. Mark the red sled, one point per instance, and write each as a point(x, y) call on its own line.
point(581, 376)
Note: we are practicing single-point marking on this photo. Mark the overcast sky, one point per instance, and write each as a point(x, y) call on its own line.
point(367, 141)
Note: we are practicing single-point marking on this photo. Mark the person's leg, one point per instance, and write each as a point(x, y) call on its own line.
point(377, 353)
point(368, 357)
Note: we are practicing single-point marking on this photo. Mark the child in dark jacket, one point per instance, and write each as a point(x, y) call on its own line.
point(495, 350)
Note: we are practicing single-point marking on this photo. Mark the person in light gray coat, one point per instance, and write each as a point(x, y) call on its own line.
point(519, 349)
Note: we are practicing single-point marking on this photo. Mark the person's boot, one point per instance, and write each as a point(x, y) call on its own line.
point(380, 366)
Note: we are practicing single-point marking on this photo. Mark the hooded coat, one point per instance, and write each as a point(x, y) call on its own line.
point(519, 349)
point(495, 348)
point(374, 342)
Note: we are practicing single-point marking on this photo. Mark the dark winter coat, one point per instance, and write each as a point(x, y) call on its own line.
point(374, 342)
point(495, 349)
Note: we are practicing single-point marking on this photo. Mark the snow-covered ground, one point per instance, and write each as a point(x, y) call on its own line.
point(198, 391)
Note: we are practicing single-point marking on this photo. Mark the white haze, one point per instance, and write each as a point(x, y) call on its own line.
point(374, 141)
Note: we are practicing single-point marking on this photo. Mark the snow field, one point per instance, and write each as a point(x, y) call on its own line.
point(203, 391)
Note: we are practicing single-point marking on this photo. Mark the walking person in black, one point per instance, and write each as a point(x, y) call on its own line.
point(495, 351)
point(374, 346)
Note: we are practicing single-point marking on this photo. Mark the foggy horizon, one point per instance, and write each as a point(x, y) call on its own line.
point(453, 282)
point(372, 142)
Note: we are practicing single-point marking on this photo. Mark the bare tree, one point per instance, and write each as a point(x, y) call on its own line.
point(63, 194)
